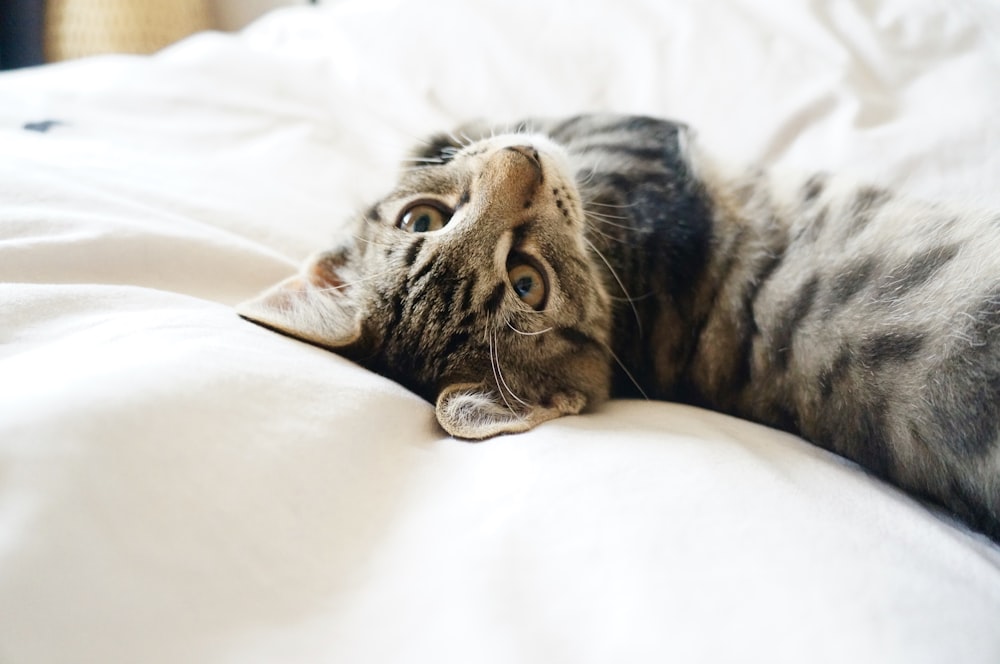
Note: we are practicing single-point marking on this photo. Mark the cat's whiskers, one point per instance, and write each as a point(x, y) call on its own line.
point(527, 334)
point(524, 128)
point(605, 217)
point(496, 355)
point(632, 299)
point(610, 205)
point(627, 372)
point(371, 242)
point(378, 224)
point(592, 171)
point(498, 373)
point(491, 351)
point(581, 183)
point(594, 224)
point(606, 236)
point(621, 284)
point(467, 141)
point(351, 283)
point(422, 160)
point(462, 140)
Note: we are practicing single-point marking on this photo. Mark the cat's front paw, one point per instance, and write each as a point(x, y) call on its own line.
point(475, 411)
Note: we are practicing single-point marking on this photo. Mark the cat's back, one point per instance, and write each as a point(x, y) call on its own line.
point(875, 332)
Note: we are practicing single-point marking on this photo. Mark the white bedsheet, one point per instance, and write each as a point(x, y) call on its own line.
point(178, 485)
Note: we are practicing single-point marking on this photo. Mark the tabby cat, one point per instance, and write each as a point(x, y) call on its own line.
point(512, 277)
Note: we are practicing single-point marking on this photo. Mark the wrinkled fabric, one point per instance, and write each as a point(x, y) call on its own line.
point(179, 485)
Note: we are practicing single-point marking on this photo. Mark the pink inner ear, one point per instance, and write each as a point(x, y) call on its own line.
point(290, 291)
point(317, 305)
point(323, 273)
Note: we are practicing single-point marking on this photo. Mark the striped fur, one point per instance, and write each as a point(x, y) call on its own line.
point(865, 322)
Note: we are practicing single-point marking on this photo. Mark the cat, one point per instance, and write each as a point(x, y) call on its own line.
point(512, 277)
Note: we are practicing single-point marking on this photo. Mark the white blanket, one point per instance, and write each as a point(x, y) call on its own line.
point(178, 485)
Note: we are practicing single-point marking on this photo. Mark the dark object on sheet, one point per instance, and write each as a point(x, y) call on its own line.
point(41, 126)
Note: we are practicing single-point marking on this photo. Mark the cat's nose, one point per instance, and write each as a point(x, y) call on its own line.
point(512, 175)
point(529, 153)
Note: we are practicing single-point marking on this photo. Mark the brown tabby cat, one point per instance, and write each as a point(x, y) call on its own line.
point(512, 278)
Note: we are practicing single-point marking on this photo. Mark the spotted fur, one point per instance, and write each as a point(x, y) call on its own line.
point(864, 321)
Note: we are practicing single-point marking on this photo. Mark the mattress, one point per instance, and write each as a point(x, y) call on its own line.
point(179, 485)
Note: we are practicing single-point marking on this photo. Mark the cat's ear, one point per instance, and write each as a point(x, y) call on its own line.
point(319, 305)
point(475, 411)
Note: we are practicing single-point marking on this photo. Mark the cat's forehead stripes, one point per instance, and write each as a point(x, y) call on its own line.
point(496, 298)
point(413, 250)
point(444, 182)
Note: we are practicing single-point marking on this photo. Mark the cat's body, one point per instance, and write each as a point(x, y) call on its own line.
point(517, 277)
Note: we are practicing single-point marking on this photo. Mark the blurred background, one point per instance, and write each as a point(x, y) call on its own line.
point(33, 32)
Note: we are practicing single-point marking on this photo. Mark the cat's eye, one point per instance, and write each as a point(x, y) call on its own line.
point(423, 217)
point(528, 283)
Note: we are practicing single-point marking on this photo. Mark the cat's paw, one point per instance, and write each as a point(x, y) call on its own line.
point(475, 411)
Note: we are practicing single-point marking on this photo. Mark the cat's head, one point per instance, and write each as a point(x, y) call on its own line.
point(470, 283)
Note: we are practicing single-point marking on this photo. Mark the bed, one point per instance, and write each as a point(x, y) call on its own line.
point(179, 485)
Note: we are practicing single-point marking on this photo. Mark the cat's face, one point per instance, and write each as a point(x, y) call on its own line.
point(470, 283)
